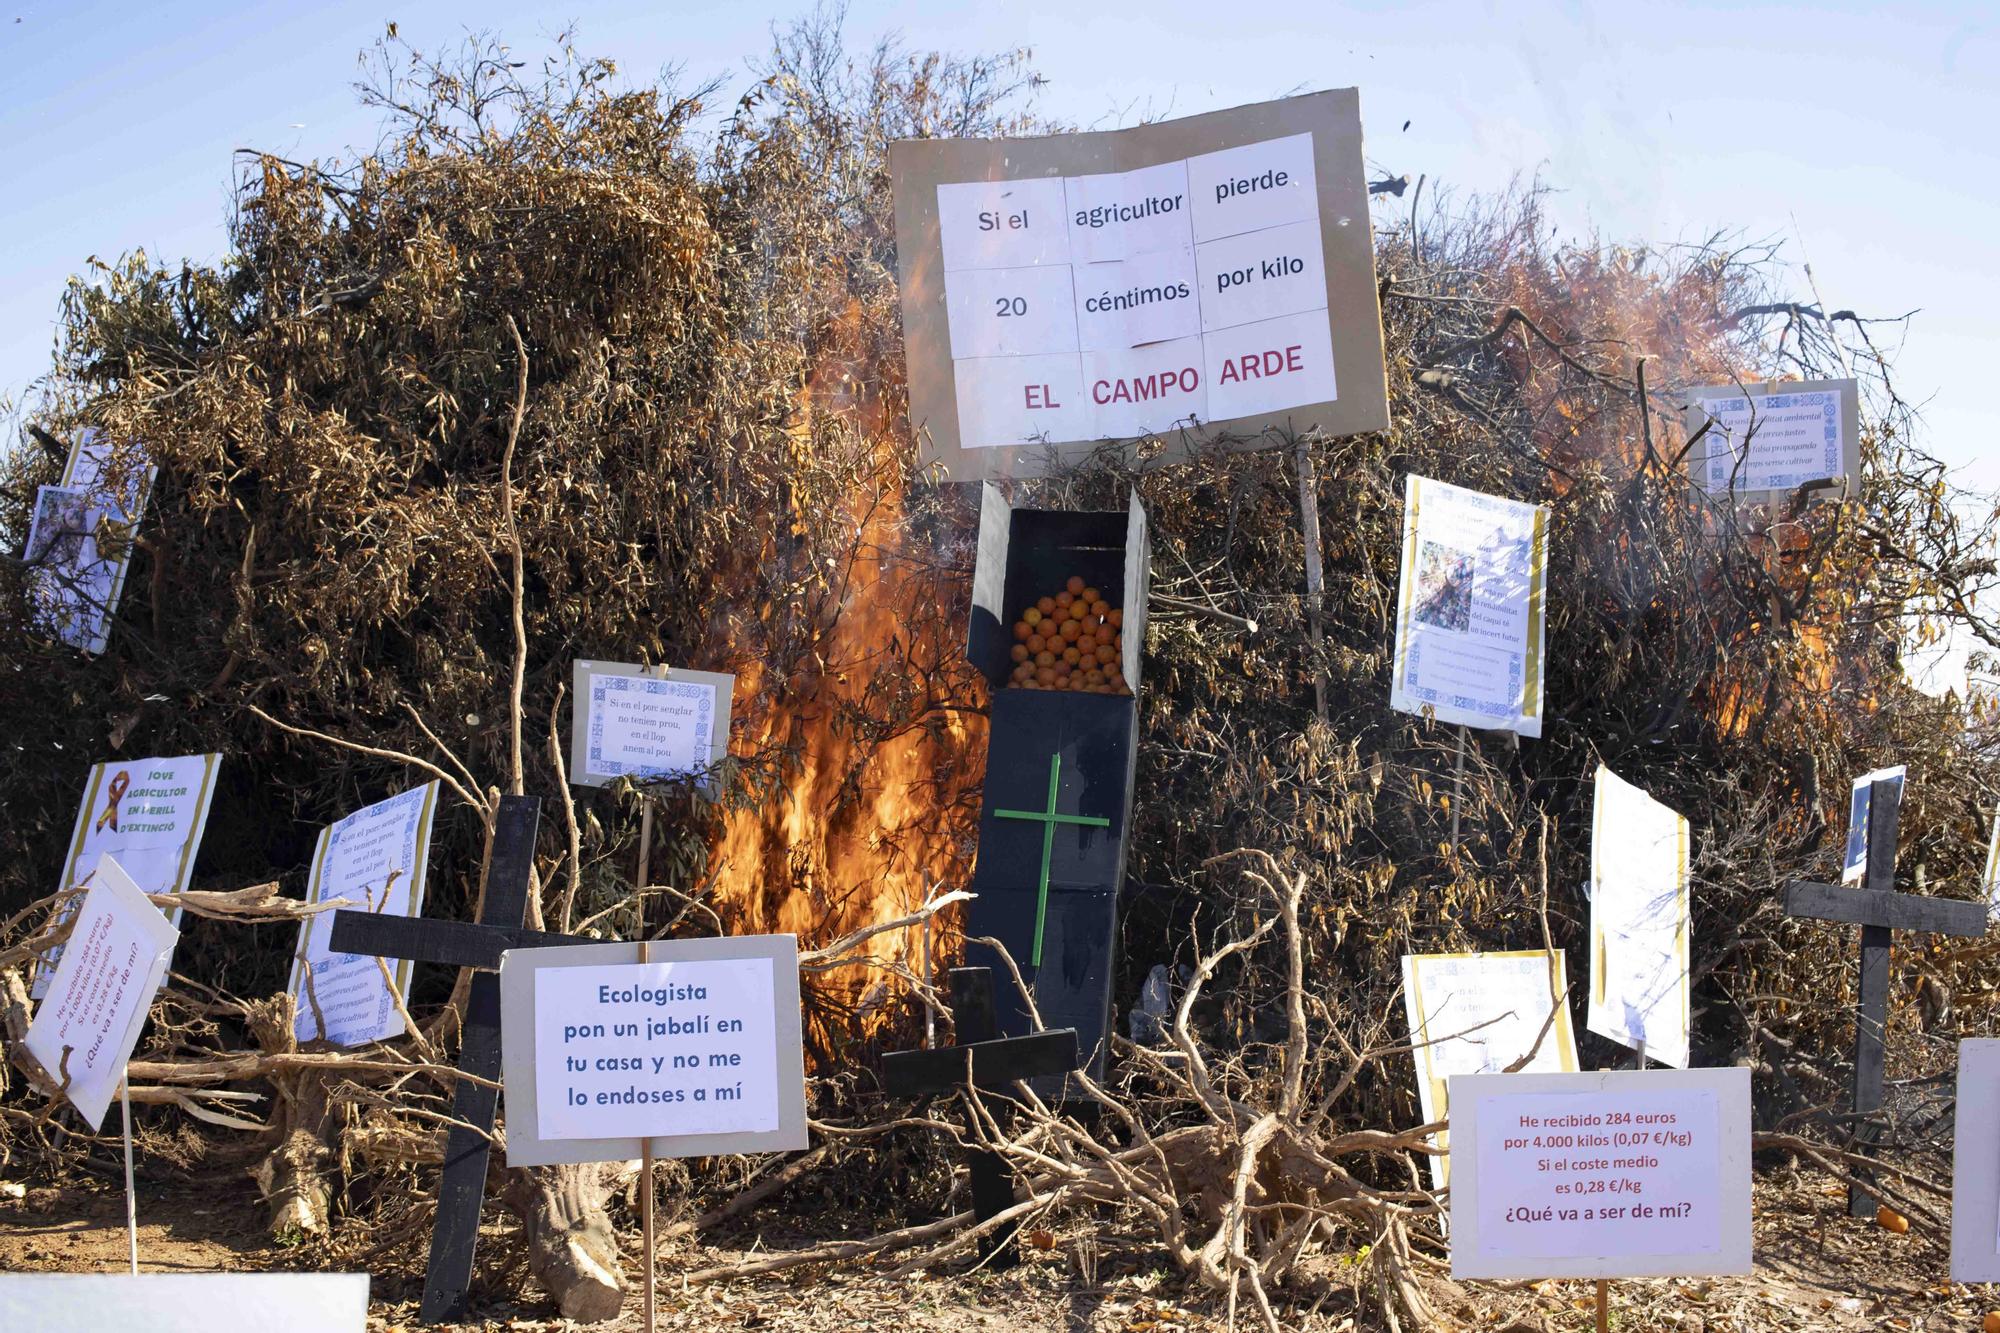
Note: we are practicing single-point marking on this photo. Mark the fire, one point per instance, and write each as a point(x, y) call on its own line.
point(882, 755)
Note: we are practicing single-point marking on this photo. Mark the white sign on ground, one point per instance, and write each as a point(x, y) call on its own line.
point(375, 858)
point(1773, 435)
point(1992, 877)
point(1975, 1164)
point(1617, 1174)
point(1471, 598)
point(644, 723)
point(1638, 921)
point(696, 1052)
point(186, 1302)
point(1855, 864)
point(84, 1031)
point(1214, 275)
point(1478, 1013)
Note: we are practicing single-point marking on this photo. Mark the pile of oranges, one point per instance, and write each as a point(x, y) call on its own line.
point(1071, 641)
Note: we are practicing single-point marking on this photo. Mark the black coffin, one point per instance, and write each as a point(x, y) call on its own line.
point(1088, 745)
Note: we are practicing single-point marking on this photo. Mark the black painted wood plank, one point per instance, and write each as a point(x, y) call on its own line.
point(1885, 907)
point(462, 1192)
point(453, 943)
point(995, 1063)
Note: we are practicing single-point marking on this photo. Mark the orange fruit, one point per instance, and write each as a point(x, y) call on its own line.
point(1099, 609)
point(1064, 601)
point(1075, 585)
point(1068, 629)
point(1047, 606)
point(1022, 629)
point(1045, 658)
point(1072, 656)
point(1991, 1323)
point(1045, 674)
point(1115, 616)
point(1036, 643)
point(1891, 1220)
point(1031, 618)
point(1020, 652)
point(1090, 595)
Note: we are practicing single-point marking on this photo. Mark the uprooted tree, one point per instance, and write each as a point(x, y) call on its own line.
point(563, 370)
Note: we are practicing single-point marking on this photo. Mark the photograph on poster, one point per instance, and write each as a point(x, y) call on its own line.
point(1638, 922)
point(375, 859)
point(1469, 629)
point(1478, 1013)
point(1616, 1174)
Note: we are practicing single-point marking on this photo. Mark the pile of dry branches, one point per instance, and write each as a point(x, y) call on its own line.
point(564, 371)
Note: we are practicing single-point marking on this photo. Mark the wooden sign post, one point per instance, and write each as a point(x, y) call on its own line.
point(1878, 909)
point(988, 1061)
point(462, 1191)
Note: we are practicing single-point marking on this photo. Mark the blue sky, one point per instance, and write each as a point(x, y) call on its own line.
point(1860, 136)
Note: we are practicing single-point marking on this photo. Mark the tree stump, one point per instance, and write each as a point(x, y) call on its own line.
point(572, 1246)
point(288, 1178)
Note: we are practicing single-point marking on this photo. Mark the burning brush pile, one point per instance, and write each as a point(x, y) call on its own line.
point(352, 572)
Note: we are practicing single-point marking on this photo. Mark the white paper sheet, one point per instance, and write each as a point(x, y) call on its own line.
point(1003, 224)
point(652, 1050)
point(1255, 186)
point(149, 813)
point(1012, 311)
point(645, 727)
point(1638, 921)
point(1020, 399)
point(1772, 441)
point(89, 519)
point(1141, 389)
point(1992, 877)
point(1477, 1013)
point(102, 990)
point(1146, 299)
point(376, 859)
point(1125, 213)
point(1261, 275)
point(1470, 619)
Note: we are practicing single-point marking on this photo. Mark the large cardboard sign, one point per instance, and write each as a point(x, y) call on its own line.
point(1638, 921)
point(148, 813)
point(644, 723)
point(1769, 437)
point(1206, 279)
point(376, 859)
point(1615, 1174)
point(80, 539)
point(1975, 1164)
point(84, 1031)
point(1471, 608)
point(696, 1052)
point(1478, 1013)
point(186, 1302)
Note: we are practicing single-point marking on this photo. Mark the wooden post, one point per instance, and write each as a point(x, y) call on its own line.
point(1457, 787)
point(1316, 574)
point(131, 1192)
point(646, 1176)
point(1603, 1306)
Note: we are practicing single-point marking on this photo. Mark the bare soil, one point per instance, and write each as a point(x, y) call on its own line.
point(1816, 1269)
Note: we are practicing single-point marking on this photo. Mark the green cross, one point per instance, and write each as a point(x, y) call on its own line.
point(1048, 819)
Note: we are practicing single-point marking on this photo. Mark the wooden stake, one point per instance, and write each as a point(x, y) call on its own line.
point(646, 1184)
point(1457, 787)
point(131, 1194)
point(1603, 1306)
point(1316, 573)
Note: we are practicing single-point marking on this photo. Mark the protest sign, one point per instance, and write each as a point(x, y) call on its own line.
point(645, 722)
point(1638, 922)
point(84, 1031)
point(186, 1302)
point(1855, 864)
point(374, 858)
point(1472, 593)
point(1975, 1164)
point(149, 813)
point(692, 1054)
point(1478, 1013)
point(1201, 279)
point(1614, 1174)
point(80, 538)
point(1773, 436)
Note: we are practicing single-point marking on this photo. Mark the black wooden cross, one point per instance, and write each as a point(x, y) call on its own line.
point(462, 1192)
point(992, 1062)
point(1878, 909)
